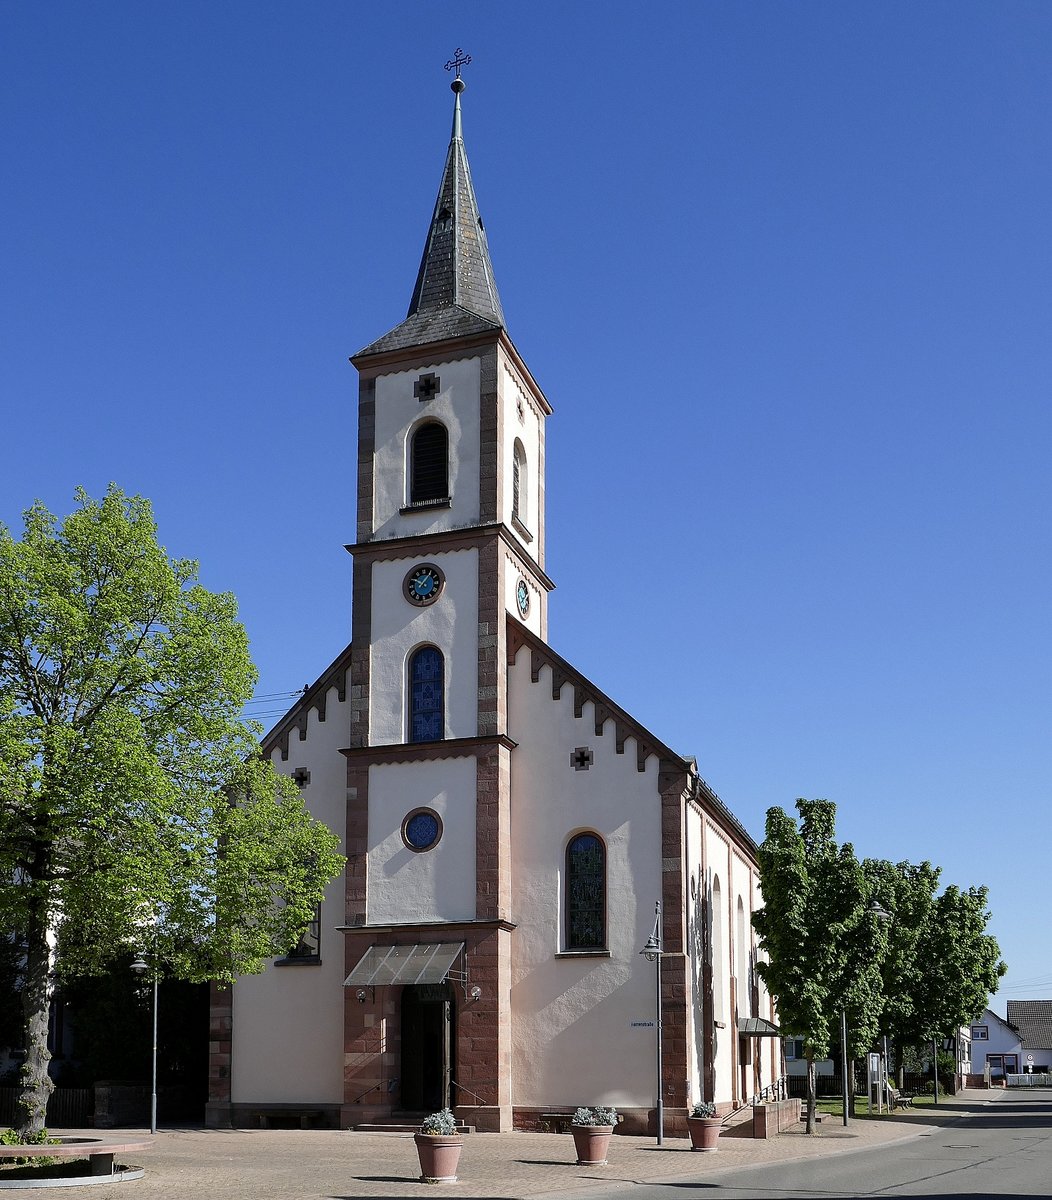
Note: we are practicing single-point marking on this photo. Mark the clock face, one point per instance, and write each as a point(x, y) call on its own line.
point(522, 597)
point(423, 584)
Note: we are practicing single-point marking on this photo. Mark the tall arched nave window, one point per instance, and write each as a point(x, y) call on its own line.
point(586, 892)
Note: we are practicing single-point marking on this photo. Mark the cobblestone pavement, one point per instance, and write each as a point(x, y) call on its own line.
point(275, 1164)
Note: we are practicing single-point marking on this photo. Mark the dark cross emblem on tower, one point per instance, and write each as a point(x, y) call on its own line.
point(582, 758)
point(301, 777)
point(427, 386)
point(459, 59)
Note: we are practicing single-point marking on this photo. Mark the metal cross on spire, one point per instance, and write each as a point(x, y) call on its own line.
point(459, 59)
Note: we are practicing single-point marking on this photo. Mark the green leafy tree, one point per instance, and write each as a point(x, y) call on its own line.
point(960, 965)
point(134, 806)
point(817, 931)
point(941, 964)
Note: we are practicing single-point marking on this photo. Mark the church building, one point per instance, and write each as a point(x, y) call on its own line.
point(510, 830)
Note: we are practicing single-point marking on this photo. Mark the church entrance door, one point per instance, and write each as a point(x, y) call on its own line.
point(427, 1046)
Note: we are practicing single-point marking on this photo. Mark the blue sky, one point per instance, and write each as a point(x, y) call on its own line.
point(782, 269)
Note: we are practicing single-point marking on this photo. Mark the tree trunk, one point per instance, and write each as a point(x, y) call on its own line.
point(851, 1094)
point(36, 1084)
point(812, 1096)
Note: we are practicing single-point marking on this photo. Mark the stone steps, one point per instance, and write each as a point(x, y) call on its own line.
point(402, 1127)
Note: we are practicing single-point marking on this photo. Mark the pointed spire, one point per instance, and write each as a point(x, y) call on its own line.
point(455, 267)
point(455, 293)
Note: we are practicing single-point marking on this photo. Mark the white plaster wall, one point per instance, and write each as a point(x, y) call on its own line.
point(718, 864)
point(288, 1022)
point(534, 619)
point(439, 885)
point(451, 624)
point(397, 412)
point(696, 942)
point(529, 429)
point(572, 1037)
point(741, 935)
point(1002, 1040)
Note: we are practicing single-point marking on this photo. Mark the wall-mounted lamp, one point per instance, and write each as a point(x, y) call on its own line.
point(476, 992)
point(360, 995)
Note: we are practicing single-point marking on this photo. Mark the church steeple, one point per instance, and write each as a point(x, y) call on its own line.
point(455, 268)
point(455, 292)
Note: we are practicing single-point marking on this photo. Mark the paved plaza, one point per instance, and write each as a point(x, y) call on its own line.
point(273, 1164)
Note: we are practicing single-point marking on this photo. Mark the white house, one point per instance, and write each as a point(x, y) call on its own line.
point(1020, 1044)
point(995, 1044)
point(508, 826)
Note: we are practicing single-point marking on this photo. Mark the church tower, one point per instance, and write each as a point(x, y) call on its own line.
point(450, 540)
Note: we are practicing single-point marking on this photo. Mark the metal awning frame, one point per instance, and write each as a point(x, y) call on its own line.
point(757, 1027)
point(391, 973)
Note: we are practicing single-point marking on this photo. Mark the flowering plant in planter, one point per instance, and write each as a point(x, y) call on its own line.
point(438, 1145)
point(592, 1129)
point(704, 1126)
point(595, 1116)
point(442, 1121)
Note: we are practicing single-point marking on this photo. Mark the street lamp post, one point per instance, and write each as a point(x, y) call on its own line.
point(845, 1099)
point(140, 967)
point(652, 953)
point(935, 1067)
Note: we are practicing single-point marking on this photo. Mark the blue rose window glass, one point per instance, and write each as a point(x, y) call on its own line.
point(421, 829)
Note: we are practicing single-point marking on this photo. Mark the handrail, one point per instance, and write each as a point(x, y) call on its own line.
point(461, 1088)
point(376, 1087)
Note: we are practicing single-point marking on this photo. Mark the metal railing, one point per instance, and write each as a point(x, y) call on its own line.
point(461, 1088)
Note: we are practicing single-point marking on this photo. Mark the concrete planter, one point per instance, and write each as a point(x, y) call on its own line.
point(592, 1143)
point(774, 1117)
point(439, 1154)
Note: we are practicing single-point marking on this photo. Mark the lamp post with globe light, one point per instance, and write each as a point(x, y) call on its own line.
point(652, 953)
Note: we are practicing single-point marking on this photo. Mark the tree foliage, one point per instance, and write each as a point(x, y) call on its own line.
point(819, 936)
point(134, 807)
point(942, 965)
point(872, 940)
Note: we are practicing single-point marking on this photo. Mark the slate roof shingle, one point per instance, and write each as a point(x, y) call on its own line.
point(1033, 1019)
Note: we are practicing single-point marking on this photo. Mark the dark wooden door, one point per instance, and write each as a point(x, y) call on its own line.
point(427, 1047)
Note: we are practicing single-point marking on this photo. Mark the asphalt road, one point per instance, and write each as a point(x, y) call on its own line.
point(1002, 1150)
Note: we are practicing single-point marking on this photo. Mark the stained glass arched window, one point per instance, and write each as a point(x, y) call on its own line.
point(586, 893)
point(426, 695)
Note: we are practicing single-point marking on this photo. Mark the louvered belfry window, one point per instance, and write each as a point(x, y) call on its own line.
point(426, 700)
point(586, 893)
point(429, 464)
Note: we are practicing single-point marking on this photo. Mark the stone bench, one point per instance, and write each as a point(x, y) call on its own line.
point(555, 1122)
point(281, 1118)
point(97, 1151)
